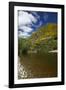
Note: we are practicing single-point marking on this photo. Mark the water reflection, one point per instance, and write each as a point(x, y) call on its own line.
point(23, 72)
point(37, 66)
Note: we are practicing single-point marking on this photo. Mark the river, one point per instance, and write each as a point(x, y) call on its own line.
point(37, 66)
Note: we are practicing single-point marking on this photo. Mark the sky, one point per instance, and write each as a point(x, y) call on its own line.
point(30, 21)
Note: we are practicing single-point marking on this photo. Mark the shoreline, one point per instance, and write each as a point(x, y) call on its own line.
point(53, 51)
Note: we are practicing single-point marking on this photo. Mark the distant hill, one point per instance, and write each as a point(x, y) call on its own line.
point(44, 38)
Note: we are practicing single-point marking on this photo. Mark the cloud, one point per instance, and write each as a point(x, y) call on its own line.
point(26, 29)
point(36, 15)
point(38, 25)
point(23, 34)
point(25, 22)
point(26, 18)
point(45, 16)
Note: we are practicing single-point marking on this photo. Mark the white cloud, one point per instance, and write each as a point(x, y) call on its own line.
point(39, 24)
point(45, 16)
point(26, 29)
point(26, 18)
point(25, 21)
point(36, 15)
point(23, 34)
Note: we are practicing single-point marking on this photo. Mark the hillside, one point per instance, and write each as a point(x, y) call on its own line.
point(44, 39)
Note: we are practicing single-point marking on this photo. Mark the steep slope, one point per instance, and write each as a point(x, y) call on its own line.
point(44, 39)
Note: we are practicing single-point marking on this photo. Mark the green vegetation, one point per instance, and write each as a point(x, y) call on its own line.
point(44, 39)
point(23, 46)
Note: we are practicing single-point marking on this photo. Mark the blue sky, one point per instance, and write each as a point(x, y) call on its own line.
point(29, 21)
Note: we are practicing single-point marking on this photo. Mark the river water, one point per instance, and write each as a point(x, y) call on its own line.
point(37, 66)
